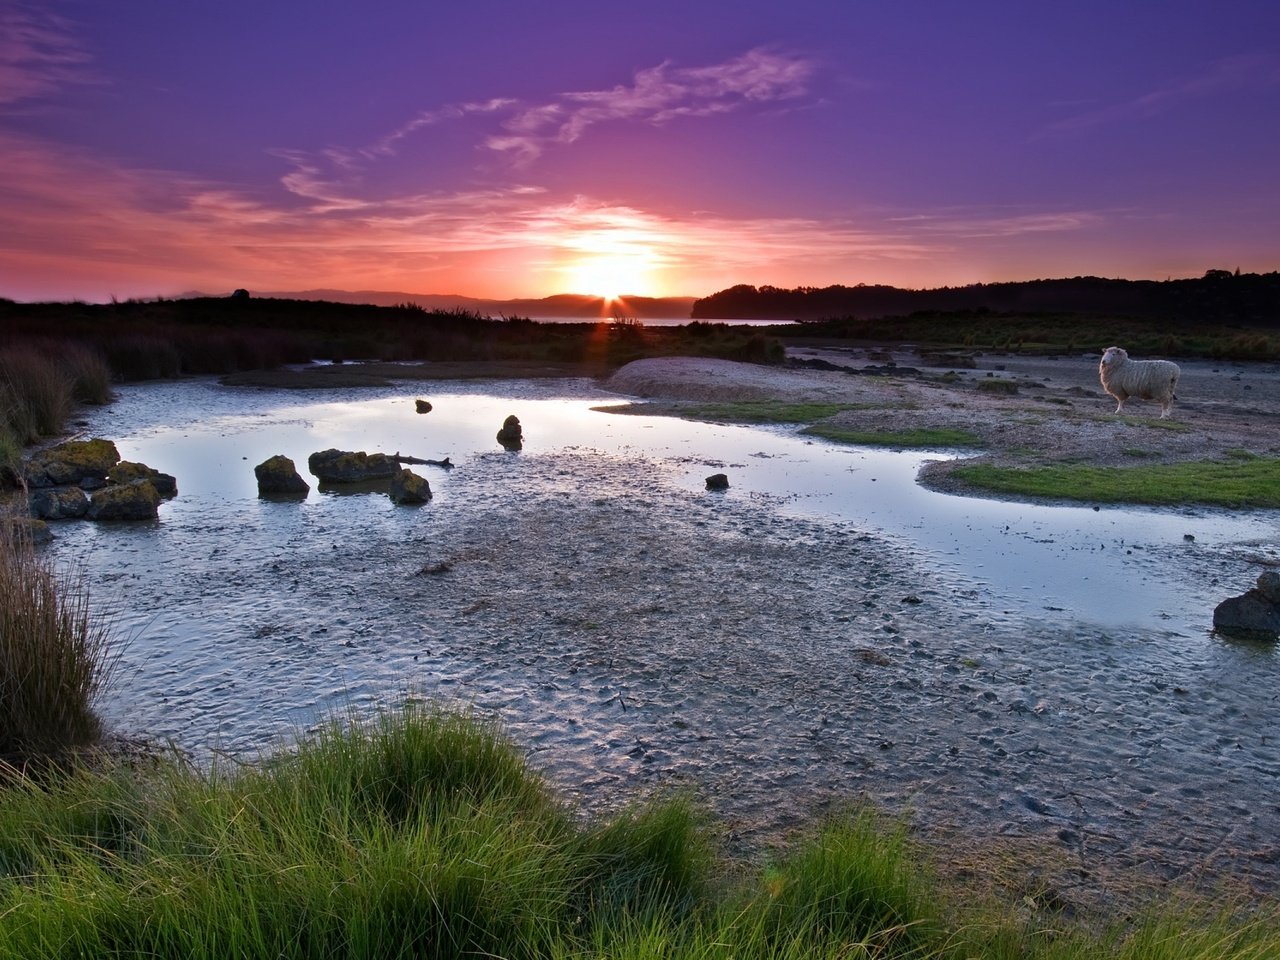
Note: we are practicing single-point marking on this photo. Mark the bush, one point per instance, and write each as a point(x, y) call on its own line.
point(54, 658)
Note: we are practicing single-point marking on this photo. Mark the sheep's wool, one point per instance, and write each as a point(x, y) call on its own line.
point(1145, 379)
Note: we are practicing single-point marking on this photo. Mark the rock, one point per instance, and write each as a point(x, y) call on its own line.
point(344, 466)
point(511, 436)
point(59, 503)
point(126, 471)
point(71, 462)
point(423, 406)
point(1255, 615)
point(718, 481)
point(278, 475)
point(18, 529)
point(137, 500)
point(409, 488)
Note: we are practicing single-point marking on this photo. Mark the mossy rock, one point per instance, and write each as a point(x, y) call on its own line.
point(138, 500)
point(409, 488)
point(127, 471)
point(59, 503)
point(346, 466)
point(997, 386)
point(277, 476)
point(71, 462)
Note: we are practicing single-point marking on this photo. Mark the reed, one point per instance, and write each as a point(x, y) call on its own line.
point(55, 657)
point(35, 394)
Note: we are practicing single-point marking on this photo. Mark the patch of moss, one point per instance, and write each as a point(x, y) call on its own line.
point(1236, 484)
point(769, 411)
point(998, 386)
point(923, 438)
point(1171, 425)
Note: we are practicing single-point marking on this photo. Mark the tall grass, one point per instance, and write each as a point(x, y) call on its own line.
point(35, 394)
point(55, 658)
point(421, 833)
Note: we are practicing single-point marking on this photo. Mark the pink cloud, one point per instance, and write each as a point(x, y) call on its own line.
point(39, 54)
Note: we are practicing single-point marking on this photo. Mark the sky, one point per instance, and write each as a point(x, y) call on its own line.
point(504, 148)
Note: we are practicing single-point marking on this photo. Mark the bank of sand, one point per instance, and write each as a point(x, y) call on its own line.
point(1058, 412)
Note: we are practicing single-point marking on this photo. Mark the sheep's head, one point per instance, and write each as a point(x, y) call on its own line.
point(1114, 355)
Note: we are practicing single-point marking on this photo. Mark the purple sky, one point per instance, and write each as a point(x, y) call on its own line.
point(522, 149)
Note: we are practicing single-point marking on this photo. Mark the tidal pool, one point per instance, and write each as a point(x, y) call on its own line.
point(825, 628)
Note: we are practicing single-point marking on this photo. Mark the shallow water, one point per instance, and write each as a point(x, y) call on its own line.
point(824, 628)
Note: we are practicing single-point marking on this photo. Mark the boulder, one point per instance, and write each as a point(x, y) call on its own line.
point(422, 406)
point(137, 500)
point(25, 530)
point(345, 466)
point(71, 462)
point(409, 488)
point(1255, 614)
point(127, 471)
point(718, 481)
point(511, 436)
point(278, 475)
point(59, 503)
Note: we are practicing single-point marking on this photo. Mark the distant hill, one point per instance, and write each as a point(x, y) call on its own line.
point(561, 305)
point(1219, 296)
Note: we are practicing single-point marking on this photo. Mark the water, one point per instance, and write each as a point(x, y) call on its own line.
point(824, 628)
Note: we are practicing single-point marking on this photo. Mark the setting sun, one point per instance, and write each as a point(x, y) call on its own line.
point(610, 277)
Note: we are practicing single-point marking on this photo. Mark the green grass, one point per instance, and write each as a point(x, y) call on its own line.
point(1252, 483)
point(55, 658)
point(923, 439)
point(423, 833)
point(765, 411)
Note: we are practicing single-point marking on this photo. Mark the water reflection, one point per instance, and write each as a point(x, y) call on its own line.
point(1111, 565)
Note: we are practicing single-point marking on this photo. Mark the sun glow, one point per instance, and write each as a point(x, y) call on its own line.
point(611, 277)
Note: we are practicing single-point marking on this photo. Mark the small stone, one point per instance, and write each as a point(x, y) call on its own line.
point(278, 475)
point(718, 481)
point(422, 406)
point(511, 436)
point(408, 488)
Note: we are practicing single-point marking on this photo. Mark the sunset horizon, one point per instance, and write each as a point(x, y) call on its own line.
point(600, 149)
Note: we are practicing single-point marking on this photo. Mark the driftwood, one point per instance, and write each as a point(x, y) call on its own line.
point(399, 458)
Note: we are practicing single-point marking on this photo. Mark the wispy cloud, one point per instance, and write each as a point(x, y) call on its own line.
point(39, 54)
point(656, 95)
point(1231, 73)
point(989, 224)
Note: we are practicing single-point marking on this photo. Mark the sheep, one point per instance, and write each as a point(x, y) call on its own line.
point(1146, 379)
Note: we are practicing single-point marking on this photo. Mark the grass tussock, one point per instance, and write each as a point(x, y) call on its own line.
point(55, 658)
point(1240, 483)
point(940, 438)
point(35, 394)
point(422, 833)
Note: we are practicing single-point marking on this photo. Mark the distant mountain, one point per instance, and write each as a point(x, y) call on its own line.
point(562, 305)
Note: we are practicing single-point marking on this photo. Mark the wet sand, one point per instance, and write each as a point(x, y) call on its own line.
point(636, 637)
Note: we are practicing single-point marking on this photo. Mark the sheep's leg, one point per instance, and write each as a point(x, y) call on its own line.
point(1119, 404)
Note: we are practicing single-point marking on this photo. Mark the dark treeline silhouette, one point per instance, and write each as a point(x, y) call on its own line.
point(1219, 297)
point(149, 339)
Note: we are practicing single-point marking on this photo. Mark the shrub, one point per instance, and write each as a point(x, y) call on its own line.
point(54, 658)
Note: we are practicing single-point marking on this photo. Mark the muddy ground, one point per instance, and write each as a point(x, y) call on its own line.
point(634, 637)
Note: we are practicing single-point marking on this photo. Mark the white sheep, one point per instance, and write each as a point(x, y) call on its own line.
point(1146, 379)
